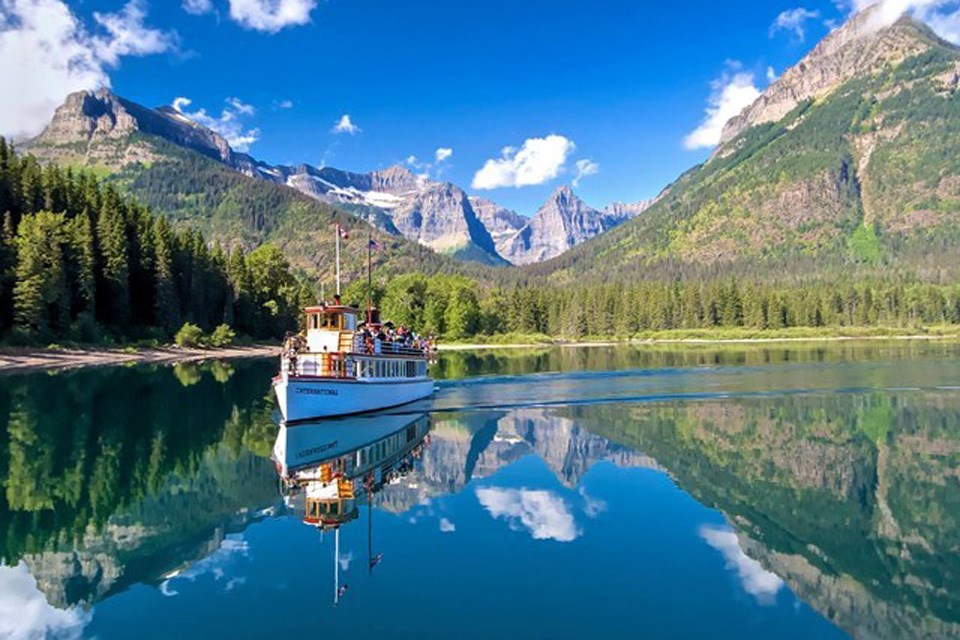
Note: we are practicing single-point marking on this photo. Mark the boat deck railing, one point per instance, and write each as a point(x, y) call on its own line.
point(388, 349)
point(345, 365)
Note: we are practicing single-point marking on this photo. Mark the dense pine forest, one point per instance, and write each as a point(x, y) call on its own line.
point(457, 308)
point(81, 262)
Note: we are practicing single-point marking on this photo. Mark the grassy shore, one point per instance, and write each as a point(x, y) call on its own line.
point(25, 358)
point(714, 336)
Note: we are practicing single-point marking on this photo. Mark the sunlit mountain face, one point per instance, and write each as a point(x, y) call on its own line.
point(778, 502)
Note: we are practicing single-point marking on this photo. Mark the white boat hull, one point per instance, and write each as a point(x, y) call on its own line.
point(303, 398)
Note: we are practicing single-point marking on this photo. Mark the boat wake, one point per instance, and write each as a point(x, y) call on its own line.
point(700, 384)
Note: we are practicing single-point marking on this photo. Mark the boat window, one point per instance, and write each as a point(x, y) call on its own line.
point(314, 320)
point(331, 321)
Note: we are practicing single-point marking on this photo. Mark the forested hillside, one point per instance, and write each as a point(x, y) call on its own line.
point(79, 261)
point(236, 210)
point(861, 176)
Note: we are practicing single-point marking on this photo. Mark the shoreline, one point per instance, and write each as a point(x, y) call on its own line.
point(32, 359)
point(26, 359)
point(699, 342)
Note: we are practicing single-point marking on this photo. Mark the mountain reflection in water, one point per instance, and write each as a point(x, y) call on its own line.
point(767, 497)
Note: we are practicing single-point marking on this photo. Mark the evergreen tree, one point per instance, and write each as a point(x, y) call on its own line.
point(41, 294)
point(113, 304)
point(167, 306)
point(84, 262)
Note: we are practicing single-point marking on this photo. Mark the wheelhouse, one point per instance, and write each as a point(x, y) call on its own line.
point(330, 328)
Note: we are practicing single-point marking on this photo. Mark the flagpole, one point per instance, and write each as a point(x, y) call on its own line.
point(338, 259)
point(369, 277)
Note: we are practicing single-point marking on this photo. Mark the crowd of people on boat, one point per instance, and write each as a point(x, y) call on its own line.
point(385, 339)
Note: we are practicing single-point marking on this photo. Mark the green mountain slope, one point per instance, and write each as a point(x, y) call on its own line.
point(229, 207)
point(861, 171)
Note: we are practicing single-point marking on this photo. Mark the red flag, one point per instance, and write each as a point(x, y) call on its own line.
point(343, 232)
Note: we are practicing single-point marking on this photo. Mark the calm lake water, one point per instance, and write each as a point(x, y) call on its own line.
point(576, 493)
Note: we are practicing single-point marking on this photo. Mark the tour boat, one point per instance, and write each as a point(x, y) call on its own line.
point(342, 368)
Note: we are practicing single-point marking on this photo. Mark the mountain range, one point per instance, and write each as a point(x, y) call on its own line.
point(847, 162)
point(117, 135)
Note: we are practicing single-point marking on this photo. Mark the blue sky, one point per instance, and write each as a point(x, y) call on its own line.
point(618, 84)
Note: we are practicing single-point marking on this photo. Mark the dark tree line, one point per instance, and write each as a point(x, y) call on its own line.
point(627, 309)
point(79, 261)
point(456, 307)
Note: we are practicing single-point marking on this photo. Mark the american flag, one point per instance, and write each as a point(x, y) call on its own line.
point(375, 245)
point(343, 232)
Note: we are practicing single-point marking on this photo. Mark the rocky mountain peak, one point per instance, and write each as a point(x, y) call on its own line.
point(86, 119)
point(563, 222)
point(85, 114)
point(441, 217)
point(867, 42)
point(397, 179)
point(498, 220)
point(566, 208)
point(564, 197)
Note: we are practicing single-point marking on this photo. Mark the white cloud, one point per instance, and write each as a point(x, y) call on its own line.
point(584, 169)
point(943, 16)
point(592, 507)
point(271, 15)
point(730, 94)
point(542, 513)
point(430, 170)
point(197, 7)
point(285, 104)
point(218, 564)
point(345, 125)
point(539, 160)
point(755, 580)
point(771, 75)
point(228, 123)
point(26, 614)
point(128, 36)
point(794, 21)
point(241, 107)
point(446, 526)
point(47, 53)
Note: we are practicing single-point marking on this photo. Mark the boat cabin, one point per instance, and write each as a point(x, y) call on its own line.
point(328, 328)
point(330, 505)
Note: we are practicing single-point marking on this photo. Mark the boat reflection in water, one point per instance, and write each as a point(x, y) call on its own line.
point(329, 468)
